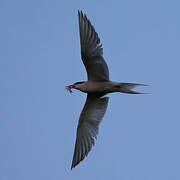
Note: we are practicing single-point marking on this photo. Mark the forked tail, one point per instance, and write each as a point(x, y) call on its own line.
point(127, 88)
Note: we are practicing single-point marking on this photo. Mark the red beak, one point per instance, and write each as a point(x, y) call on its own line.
point(70, 87)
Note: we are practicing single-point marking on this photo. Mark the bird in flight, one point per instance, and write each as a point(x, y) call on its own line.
point(97, 85)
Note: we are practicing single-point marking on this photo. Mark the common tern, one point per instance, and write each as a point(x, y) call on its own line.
point(97, 85)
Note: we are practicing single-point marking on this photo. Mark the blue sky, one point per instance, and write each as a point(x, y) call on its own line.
point(40, 55)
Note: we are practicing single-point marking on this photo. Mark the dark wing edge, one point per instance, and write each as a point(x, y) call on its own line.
point(91, 50)
point(87, 130)
point(90, 42)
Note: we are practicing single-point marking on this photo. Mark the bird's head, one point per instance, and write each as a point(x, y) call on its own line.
point(74, 86)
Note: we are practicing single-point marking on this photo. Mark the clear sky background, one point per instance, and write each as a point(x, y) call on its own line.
point(139, 138)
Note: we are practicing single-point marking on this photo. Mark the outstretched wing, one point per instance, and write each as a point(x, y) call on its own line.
point(92, 51)
point(87, 130)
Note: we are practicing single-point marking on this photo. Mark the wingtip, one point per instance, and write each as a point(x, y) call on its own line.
point(80, 14)
point(73, 165)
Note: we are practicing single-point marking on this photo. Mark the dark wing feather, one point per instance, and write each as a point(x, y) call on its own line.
point(92, 51)
point(87, 131)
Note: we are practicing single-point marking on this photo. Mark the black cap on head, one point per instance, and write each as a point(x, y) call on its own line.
point(80, 82)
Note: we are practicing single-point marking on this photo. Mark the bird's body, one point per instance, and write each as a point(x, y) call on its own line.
point(97, 85)
point(105, 87)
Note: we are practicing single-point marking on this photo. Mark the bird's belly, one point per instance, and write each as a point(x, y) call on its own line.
point(95, 87)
